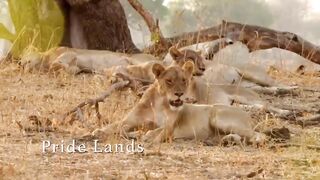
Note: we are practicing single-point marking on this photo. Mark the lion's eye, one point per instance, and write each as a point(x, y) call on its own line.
point(184, 80)
point(169, 81)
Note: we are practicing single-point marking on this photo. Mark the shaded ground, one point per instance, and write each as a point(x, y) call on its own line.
point(22, 95)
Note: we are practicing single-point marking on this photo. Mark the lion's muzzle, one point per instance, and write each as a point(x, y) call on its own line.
point(176, 103)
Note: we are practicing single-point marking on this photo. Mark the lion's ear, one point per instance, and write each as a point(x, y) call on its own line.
point(175, 53)
point(157, 70)
point(188, 68)
point(73, 62)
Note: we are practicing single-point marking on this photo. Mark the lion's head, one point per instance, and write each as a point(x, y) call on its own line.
point(173, 82)
point(180, 57)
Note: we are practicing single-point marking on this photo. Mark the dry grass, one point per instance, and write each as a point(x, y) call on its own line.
point(43, 95)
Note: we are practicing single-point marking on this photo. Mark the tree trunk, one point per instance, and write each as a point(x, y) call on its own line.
point(96, 24)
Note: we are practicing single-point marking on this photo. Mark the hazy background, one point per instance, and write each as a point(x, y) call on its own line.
point(177, 16)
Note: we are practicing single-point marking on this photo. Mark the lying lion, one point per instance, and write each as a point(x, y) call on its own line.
point(218, 84)
point(33, 60)
point(162, 106)
point(220, 72)
point(223, 84)
point(144, 70)
point(75, 61)
point(204, 92)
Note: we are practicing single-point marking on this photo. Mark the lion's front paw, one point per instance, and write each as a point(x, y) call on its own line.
point(231, 139)
point(147, 138)
point(258, 139)
point(152, 136)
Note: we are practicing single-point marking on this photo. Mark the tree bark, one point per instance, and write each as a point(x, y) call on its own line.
point(153, 25)
point(96, 24)
point(256, 38)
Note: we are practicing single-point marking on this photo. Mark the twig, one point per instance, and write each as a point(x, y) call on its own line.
point(34, 129)
point(274, 90)
point(19, 125)
point(133, 80)
point(312, 147)
point(310, 107)
point(314, 120)
point(101, 98)
point(96, 106)
point(254, 173)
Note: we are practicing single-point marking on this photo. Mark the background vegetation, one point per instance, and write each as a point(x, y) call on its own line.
point(37, 23)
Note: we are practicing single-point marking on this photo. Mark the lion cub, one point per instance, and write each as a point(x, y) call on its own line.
point(143, 71)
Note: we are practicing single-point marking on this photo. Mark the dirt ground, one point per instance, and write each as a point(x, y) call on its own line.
point(23, 95)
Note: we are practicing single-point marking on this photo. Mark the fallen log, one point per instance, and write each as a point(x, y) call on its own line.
point(255, 37)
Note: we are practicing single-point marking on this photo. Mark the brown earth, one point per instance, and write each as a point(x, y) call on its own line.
point(42, 95)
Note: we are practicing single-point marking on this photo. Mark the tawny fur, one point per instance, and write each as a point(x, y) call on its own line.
point(162, 108)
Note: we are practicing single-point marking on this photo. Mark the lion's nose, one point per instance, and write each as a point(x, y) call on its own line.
point(178, 94)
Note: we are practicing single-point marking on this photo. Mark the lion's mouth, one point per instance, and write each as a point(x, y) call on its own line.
point(176, 103)
point(198, 74)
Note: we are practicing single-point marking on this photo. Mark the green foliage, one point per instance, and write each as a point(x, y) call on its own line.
point(155, 37)
point(5, 34)
point(37, 23)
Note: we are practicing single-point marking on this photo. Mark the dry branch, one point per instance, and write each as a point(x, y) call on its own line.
point(255, 37)
point(275, 90)
point(153, 25)
point(309, 121)
point(101, 98)
point(286, 145)
point(187, 39)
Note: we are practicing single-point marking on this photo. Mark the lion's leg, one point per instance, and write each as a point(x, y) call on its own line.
point(277, 111)
point(121, 127)
point(250, 99)
point(234, 121)
point(282, 113)
point(166, 133)
point(152, 135)
point(104, 132)
point(231, 120)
